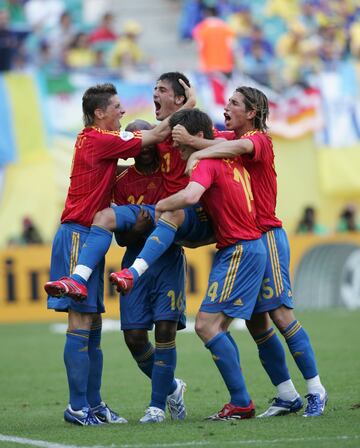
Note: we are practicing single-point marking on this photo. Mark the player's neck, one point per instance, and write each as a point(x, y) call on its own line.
point(243, 130)
point(146, 170)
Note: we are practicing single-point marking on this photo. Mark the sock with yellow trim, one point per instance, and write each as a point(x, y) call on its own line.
point(300, 347)
point(156, 244)
point(145, 359)
point(225, 358)
point(95, 368)
point(92, 252)
point(76, 358)
point(162, 380)
point(272, 356)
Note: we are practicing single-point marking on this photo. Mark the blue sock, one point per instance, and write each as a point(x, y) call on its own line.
point(145, 360)
point(300, 347)
point(94, 249)
point(158, 242)
point(96, 367)
point(272, 356)
point(225, 358)
point(163, 373)
point(76, 358)
point(232, 340)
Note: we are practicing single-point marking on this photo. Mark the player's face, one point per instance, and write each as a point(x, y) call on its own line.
point(147, 156)
point(185, 151)
point(235, 114)
point(113, 114)
point(165, 101)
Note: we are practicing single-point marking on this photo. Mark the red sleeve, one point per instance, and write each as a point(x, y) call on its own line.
point(263, 150)
point(115, 145)
point(204, 173)
point(228, 135)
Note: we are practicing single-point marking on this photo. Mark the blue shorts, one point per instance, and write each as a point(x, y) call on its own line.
point(65, 251)
point(195, 228)
point(158, 295)
point(235, 279)
point(276, 287)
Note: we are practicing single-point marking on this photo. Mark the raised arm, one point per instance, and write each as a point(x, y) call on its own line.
point(224, 150)
point(182, 137)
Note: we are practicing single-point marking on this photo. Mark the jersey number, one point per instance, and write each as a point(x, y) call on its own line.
point(165, 163)
point(245, 182)
point(132, 200)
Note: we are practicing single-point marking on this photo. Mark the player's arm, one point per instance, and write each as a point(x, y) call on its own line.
point(181, 136)
point(224, 150)
point(162, 130)
point(183, 198)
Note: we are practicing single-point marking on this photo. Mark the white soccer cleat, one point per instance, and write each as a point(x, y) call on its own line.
point(153, 415)
point(175, 401)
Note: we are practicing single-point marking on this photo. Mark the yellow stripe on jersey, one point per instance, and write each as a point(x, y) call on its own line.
point(292, 331)
point(275, 264)
point(231, 273)
point(75, 242)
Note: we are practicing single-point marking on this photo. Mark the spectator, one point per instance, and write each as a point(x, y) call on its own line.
point(8, 43)
point(348, 220)
point(30, 233)
point(104, 32)
point(308, 224)
point(61, 36)
point(80, 54)
point(127, 52)
point(215, 40)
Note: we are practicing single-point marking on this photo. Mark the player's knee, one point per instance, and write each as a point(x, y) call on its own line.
point(136, 340)
point(201, 329)
point(175, 217)
point(165, 331)
point(105, 218)
point(282, 317)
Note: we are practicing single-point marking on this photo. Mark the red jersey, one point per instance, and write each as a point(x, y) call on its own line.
point(261, 168)
point(93, 171)
point(133, 187)
point(172, 167)
point(227, 200)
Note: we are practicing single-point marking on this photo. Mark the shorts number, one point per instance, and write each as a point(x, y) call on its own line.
point(267, 291)
point(176, 303)
point(212, 291)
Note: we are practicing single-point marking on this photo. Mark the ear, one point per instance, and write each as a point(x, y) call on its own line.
point(200, 134)
point(99, 113)
point(251, 114)
point(179, 100)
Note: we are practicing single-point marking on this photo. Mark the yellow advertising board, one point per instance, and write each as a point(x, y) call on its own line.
point(325, 271)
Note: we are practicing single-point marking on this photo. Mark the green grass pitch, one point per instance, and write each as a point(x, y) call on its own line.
point(33, 392)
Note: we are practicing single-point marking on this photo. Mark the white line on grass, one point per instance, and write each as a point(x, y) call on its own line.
point(45, 444)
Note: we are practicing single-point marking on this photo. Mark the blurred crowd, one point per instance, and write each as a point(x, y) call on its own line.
point(276, 42)
point(348, 221)
point(51, 35)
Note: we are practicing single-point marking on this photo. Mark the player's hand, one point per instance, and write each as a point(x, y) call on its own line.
point(189, 94)
point(181, 136)
point(191, 163)
point(143, 222)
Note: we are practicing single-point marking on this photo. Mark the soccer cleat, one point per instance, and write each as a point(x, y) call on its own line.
point(175, 401)
point(123, 280)
point(106, 415)
point(315, 406)
point(282, 407)
point(232, 412)
point(66, 286)
point(153, 415)
point(84, 417)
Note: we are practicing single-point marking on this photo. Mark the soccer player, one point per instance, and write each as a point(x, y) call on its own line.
point(172, 92)
point(97, 149)
point(235, 279)
point(160, 296)
point(245, 117)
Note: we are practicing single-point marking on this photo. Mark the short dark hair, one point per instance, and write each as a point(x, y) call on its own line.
point(194, 121)
point(255, 99)
point(173, 79)
point(96, 97)
point(138, 125)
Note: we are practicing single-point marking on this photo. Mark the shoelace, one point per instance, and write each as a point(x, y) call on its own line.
point(91, 418)
point(313, 402)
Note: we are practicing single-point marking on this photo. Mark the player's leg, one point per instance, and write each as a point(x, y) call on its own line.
point(156, 244)
point(93, 249)
point(272, 357)
point(301, 349)
point(233, 284)
point(141, 349)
